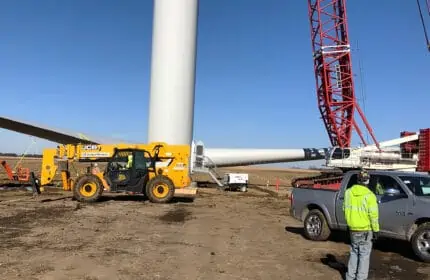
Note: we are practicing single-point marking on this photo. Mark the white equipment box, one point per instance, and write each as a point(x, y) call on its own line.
point(236, 181)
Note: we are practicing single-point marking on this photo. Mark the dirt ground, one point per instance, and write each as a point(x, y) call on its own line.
point(219, 235)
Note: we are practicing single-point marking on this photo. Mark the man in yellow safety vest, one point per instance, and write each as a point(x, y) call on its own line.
point(361, 213)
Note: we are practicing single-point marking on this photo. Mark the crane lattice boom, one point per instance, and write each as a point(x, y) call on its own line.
point(333, 71)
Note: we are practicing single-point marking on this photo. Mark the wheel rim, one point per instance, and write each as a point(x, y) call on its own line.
point(314, 225)
point(423, 243)
point(88, 189)
point(160, 190)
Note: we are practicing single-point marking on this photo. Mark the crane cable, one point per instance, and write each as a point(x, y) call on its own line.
point(423, 23)
point(25, 152)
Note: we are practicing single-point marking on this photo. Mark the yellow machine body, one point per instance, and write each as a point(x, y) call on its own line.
point(173, 163)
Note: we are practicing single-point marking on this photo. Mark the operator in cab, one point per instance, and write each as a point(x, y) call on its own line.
point(362, 217)
point(129, 162)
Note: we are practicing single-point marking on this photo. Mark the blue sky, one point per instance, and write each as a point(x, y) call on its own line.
point(84, 66)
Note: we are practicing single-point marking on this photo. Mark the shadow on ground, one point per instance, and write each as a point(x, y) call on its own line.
point(139, 198)
point(390, 259)
point(331, 261)
point(401, 248)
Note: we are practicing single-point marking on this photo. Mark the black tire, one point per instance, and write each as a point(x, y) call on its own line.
point(421, 247)
point(315, 226)
point(88, 188)
point(160, 189)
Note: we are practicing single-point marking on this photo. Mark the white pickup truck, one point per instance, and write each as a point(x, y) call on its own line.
point(403, 200)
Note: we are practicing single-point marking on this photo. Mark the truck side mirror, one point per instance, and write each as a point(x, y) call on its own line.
point(392, 192)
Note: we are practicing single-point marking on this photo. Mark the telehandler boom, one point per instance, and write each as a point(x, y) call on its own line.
point(157, 170)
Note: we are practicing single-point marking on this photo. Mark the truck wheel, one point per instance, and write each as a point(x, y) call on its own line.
point(160, 189)
point(421, 242)
point(316, 226)
point(88, 188)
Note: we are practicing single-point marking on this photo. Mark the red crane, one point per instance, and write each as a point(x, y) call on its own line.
point(335, 89)
point(333, 72)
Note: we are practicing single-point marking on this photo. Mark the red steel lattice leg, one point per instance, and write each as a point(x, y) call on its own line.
point(333, 72)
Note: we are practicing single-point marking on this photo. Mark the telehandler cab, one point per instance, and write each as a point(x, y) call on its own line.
point(128, 170)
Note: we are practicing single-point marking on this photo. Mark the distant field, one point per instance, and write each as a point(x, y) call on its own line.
point(258, 175)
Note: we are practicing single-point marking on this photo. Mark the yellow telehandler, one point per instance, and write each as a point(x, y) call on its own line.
point(157, 170)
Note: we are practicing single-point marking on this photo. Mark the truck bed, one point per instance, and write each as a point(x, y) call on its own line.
point(304, 199)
